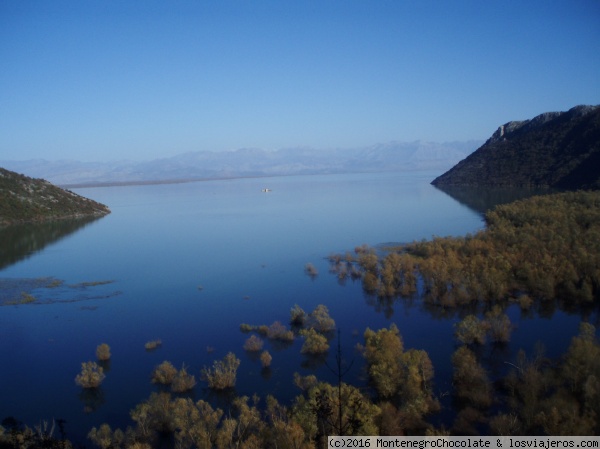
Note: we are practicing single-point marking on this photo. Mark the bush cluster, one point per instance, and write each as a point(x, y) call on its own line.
point(541, 248)
point(103, 352)
point(91, 375)
point(223, 373)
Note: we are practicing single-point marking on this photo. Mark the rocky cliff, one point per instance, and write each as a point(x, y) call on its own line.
point(554, 149)
point(24, 199)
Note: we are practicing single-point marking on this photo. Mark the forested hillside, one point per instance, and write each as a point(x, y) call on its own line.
point(24, 199)
point(554, 149)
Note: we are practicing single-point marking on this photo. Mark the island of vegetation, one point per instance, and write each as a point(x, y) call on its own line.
point(24, 199)
point(555, 149)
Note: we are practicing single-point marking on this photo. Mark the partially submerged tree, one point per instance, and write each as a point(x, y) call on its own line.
point(320, 320)
point(164, 373)
point(265, 359)
point(91, 375)
point(297, 316)
point(183, 381)
point(253, 344)
point(223, 373)
point(471, 330)
point(314, 343)
point(103, 352)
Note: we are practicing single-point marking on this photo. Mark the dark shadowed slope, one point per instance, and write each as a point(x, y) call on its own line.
point(554, 149)
point(24, 199)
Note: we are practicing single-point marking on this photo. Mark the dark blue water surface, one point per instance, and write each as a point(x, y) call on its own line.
point(191, 262)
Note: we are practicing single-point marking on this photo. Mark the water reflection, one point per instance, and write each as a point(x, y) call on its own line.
point(482, 199)
point(92, 399)
point(18, 242)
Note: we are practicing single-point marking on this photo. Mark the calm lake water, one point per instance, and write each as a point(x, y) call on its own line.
point(191, 262)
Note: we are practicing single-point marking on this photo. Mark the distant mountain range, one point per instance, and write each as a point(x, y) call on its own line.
point(24, 199)
point(392, 156)
point(555, 149)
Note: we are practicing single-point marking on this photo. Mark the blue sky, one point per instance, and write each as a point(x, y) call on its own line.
point(106, 80)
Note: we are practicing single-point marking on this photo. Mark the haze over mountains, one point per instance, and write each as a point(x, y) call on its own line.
point(392, 156)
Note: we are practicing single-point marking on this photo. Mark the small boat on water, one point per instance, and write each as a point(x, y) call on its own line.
point(266, 190)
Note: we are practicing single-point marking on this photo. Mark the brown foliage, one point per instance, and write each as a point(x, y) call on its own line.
point(103, 352)
point(223, 373)
point(253, 344)
point(164, 373)
point(91, 375)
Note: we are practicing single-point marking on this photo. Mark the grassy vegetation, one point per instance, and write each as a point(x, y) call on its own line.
point(25, 298)
point(46, 290)
point(92, 283)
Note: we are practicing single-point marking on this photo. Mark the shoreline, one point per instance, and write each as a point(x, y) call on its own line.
point(220, 178)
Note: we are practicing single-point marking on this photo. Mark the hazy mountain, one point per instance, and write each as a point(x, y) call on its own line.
point(554, 149)
point(252, 162)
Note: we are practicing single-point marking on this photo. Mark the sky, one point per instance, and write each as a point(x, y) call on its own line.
point(102, 80)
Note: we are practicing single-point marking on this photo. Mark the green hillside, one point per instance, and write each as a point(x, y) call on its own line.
point(24, 199)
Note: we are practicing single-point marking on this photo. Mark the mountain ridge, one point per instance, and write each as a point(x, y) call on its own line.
point(554, 149)
point(245, 162)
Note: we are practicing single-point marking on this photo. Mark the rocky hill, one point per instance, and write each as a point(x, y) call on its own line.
point(24, 199)
point(555, 149)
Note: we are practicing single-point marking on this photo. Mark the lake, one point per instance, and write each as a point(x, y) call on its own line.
point(188, 263)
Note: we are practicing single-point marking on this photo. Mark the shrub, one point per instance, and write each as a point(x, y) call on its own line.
point(244, 327)
point(471, 330)
point(103, 352)
point(223, 373)
point(183, 381)
point(164, 373)
point(370, 282)
point(525, 302)
point(315, 343)
point(91, 375)
point(297, 316)
point(470, 380)
point(311, 270)
point(499, 325)
point(253, 344)
point(265, 359)
point(153, 344)
point(278, 331)
point(320, 320)
point(383, 352)
point(105, 438)
point(305, 383)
